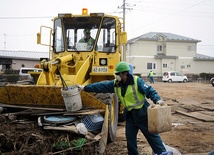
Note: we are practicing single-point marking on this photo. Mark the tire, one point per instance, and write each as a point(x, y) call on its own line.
point(170, 80)
point(185, 80)
point(112, 101)
point(212, 82)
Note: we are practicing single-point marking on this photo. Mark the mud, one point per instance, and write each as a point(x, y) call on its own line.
point(22, 135)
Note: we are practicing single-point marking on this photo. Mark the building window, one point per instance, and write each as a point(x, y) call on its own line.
point(159, 48)
point(191, 48)
point(182, 66)
point(164, 65)
point(151, 65)
point(188, 66)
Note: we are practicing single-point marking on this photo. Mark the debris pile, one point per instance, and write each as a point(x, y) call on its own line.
point(30, 131)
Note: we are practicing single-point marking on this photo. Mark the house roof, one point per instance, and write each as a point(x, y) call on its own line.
point(163, 56)
point(29, 55)
point(167, 36)
point(198, 57)
point(201, 57)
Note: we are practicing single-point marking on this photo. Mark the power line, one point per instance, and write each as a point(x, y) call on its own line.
point(176, 12)
point(125, 6)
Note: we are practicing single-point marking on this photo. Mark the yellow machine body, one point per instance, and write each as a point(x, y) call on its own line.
point(71, 61)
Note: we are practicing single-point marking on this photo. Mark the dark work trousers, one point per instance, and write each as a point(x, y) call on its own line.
point(151, 79)
point(135, 120)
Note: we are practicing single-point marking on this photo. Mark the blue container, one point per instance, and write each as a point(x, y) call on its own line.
point(131, 68)
point(93, 122)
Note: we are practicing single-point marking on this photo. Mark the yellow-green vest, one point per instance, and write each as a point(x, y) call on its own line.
point(151, 74)
point(90, 41)
point(132, 99)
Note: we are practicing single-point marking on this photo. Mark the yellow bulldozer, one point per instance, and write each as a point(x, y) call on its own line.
point(74, 62)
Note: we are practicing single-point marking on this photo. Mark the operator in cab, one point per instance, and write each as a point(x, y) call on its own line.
point(87, 38)
point(132, 92)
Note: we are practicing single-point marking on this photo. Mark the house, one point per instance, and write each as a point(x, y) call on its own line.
point(17, 59)
point(161, 52)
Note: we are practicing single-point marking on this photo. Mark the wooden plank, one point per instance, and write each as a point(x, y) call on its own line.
point(62, 128)
point(74, 113)
point(47, 113)
point(197, 115)
point(104, 133)
point(89, 112)
point(27, 107)
point(208, 106)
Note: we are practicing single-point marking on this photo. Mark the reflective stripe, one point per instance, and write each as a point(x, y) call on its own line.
point(135, 105)
point(136, 99)
point(132, 99)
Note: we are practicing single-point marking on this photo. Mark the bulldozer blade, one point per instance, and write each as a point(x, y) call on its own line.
point(31, 95)
point(42, 96)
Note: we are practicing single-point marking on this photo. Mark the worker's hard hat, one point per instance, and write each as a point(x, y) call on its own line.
point(122, 67)
point(87, 31)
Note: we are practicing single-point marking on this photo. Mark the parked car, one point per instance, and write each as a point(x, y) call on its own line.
point(23, 73)
point(212, 81)
point(174, 76)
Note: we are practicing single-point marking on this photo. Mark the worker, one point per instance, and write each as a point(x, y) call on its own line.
point(132, 92)
point(87, 38)
point(151, 75)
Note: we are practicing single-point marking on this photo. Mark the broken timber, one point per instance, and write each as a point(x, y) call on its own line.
point(41, 111)
point(197, 115)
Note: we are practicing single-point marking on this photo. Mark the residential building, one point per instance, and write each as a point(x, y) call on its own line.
point(17, 59)
point(161, 52)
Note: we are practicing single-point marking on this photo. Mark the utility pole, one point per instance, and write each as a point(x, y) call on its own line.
point(124, 28)
point(5, 40)
point(124, 14)
point(124, 7)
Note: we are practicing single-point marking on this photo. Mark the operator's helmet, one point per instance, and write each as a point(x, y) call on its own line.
point(122, 67)
point(87, 31)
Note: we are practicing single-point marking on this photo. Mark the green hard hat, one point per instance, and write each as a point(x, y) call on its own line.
point(87, 31)
point(122, 67)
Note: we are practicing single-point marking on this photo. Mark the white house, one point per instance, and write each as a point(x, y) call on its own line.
point(16, 59)
point(161, 52)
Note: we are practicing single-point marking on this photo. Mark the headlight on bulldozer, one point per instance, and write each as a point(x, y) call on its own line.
point(103, 61)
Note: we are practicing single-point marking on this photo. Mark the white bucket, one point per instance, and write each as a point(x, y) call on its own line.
point(72, 99)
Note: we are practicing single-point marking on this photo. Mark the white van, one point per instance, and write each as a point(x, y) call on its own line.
point(24, 72)
point(174, 76)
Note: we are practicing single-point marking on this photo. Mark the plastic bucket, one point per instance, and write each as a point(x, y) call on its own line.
point(72, 99)
point(159, 119)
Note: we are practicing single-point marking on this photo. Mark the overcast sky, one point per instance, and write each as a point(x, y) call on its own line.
point(20, 20)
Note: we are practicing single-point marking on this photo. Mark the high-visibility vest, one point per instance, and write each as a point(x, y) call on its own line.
point(90, 41)
point(151, 74)
point(132, 99)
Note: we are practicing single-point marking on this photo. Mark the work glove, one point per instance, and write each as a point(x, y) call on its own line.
point(81, 87)
point(160, 102)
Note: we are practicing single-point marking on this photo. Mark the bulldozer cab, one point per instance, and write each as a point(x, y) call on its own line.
point(89, 45)
point(87, 35)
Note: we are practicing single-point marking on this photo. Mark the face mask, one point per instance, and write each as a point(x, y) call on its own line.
point(118, 78)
